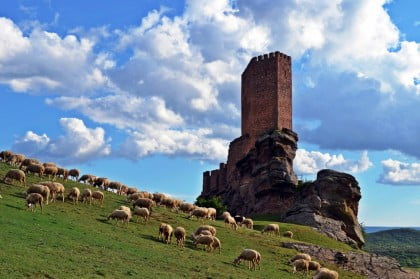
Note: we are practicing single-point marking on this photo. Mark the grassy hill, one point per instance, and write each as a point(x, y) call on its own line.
point(402, 244)
point(76, 241)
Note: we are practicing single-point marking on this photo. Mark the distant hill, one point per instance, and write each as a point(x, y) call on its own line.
point(374, 229)
point(402, 244)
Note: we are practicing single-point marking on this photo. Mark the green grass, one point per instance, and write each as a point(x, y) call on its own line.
point(76, 241)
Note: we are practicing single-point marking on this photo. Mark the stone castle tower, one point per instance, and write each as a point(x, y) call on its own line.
point(266, 105)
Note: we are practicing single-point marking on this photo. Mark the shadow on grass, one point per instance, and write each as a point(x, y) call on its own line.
point(15, 207)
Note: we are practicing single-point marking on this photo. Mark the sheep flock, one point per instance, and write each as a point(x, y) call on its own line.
point(142, 204)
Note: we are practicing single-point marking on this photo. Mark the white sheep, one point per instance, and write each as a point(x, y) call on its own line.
point(204, 232)
point(87, 196)
point(180, 235)
point(209, 228)
point(142, 212)
point(186, 207)
point(99, 196)
point(15, 174)
point(126, 208)
point(55, 189)
point(271, 228)
point(248, 223)
point(216, 244)
point(230, 221)
point(74, 195)
point(50, 171)
point(252, 256)
point(225, 214)
point(40, 189)
point(199, 212)
point(288, 234)
point(166, 232)
point(206, 240)
point(32, 199)
point(211, 213)
point(325, 273)
point(300, 264)
point(120, 215)
point(301, 256)
point(144, 202)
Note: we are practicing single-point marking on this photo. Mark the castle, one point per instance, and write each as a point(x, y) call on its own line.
point(266, 104)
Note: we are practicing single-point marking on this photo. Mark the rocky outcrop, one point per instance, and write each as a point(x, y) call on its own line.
point(329, 204)
point(371, 265)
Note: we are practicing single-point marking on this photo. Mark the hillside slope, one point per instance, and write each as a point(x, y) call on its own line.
point(402, 244)
point(70, 241)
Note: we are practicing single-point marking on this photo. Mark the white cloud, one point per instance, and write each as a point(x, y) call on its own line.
point(78, 143)
point(310, 162)
point(400, 173)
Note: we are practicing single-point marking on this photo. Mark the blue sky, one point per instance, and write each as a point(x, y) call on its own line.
point(148, 92)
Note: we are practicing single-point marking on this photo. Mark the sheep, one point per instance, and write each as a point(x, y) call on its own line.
point(300, 264)
point(211, 213)
point(216, 244)
point(206, 240)
point(144, 202)
point(135, 196)
point(325, 273)
point(160, 232)
point(252, 256)
point(166, 233)
point(120, 215)
point(101, 182)
point(206, 228)
point(86, 179)
point(28, 161)
point(5, 155)
point(180, 235)
point(16, 159)
point(51, 171)
point(313, 265)
point(115, 185)
point(169, 203)
point(74, 173)
point(239, 219)
point(99, 196)
point(35, 168)
point(301, 256)
point(61, 172)
point(49, 164)
point(87, 196)
point(199, 212)
point(55, 188)
point(147, 194)
point(204, 232)
point(225, 214)
point(230, 221)
point(124, 189)
point(248, 223)
point(142, 212)
point(131, 190)
point(186, 207)
point(74, 194)
point(288, 234)
point(40, 189)
point(15, 174)
point(271, 228)
point(123, 207)
point(159, 197)
point(32, 199)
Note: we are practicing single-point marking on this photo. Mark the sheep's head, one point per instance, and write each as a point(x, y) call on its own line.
point(237, 261)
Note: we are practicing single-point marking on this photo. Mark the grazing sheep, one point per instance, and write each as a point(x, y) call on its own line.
point(51, 171)
point(300, 264)
point(301, 256)
point(161, 226)
point(5, 155)
point(115, 185)
point(206, 240)
point(40, 189)
point(35, 168)
point(211, 213)
point(239, 219)
point(144, 202)
point(135, 196)
point(124, 189)
point(102, 183)
point(186, 207)
point(248, 223)
point(271, 228)
point(74, 195)
point(159, 197)
point(131, 190)
point(87, 179)
point(120, 215)
point(49, 164)
point(147, 194)
point(325, 273)
point(204, 232)
point(99, 196)
point(61, 172)
point(225, 214)
point(252, 256)
point(55, 188)
point(169, 203)
point(74, 173)
point(288, 234)
point(313, 265)
point(206, 228)
point(87, 196)
point(216, 244)
point(28, 161)
point(142, 212)
point(32, 199)
point(123, 207)
point(180, 235)
point(16, 159)
point(230, 221)
point(199, 212)
point(167, 232)
point(15, 174)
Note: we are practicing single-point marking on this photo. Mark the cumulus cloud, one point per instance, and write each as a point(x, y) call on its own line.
point(400, 173)
point(78, 144)
point(44, 61)
point(310, 162)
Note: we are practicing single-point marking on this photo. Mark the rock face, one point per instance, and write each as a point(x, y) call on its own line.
point(329, 204)
point(263, 182)
point(371, 265)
